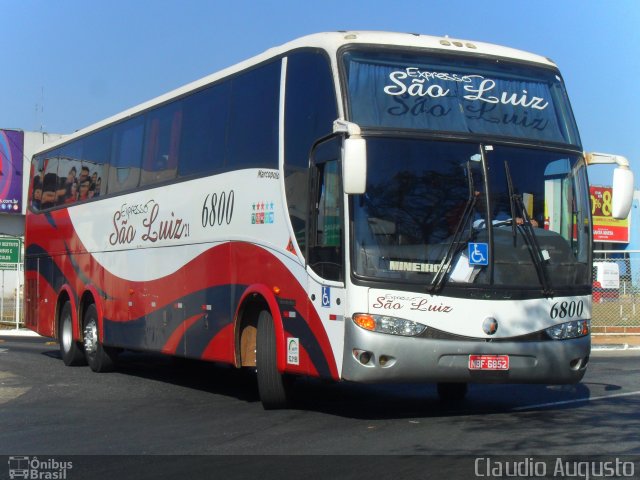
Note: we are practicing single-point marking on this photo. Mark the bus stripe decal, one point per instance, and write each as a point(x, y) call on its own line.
point(298, 328)
point(131, 318)
point(176, 337)
point(80, 274)
point(47, 267)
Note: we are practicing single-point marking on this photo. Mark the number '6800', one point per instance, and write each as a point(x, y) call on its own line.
point(567, 309)
point(218, 209)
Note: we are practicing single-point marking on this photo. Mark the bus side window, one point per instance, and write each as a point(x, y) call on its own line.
point(204, 131)
point(126, 155)
point(96, 153)
point(325, 236)
point(49, 184)
point(37, 173)
point(310, 109)
point(252, 131)
point(162, 144)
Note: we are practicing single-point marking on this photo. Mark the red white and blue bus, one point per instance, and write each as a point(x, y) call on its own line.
point(360, 206)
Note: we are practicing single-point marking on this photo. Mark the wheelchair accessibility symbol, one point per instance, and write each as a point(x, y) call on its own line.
point(478, 254)
point(326, 296)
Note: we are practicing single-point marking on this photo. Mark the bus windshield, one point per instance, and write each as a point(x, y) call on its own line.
point(427, 202)
point(408, 90)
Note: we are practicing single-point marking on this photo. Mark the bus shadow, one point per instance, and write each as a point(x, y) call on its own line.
point(193, 374)
point(407, 401)
point(357, 401)
point(214, 378)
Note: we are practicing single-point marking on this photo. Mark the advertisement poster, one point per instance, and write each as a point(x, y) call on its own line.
point(605, 227)
point(11, 146)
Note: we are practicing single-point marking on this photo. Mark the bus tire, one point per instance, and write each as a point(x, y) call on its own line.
point(100, 358)
point(452, 392)
point(272, 385)
point(70, 350)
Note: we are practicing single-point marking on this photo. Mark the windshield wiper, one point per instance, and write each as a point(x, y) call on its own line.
point(529, 234)
point(512, 203)
point(452, 249)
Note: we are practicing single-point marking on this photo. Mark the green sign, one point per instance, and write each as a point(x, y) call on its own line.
point(10, 250)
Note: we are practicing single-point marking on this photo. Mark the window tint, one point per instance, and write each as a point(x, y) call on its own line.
point(325, 239)
point(310, 105)
point(204, 130)
point(468, 96)
point(126, 155)
point(96, 152)
point(69, 166)
point(231, 125)
point(44, 168)
point(72, 173)
point(253, 123)
point(162, 144)
point(35, 188)
point(310, 109)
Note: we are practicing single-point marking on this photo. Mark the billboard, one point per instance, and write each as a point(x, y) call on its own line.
point(605, 227)
point(11, 155)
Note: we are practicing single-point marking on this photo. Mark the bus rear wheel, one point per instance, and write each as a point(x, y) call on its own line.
point(274, 388)
point(70, 350)
point(100, 358)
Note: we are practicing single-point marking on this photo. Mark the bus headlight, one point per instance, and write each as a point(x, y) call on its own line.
point(573, 329)
point(390, 325)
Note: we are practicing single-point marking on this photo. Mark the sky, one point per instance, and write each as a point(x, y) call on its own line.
point(69, 63)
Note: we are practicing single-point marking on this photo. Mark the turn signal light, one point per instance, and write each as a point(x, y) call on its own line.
point(390, 325)
point(365, 321)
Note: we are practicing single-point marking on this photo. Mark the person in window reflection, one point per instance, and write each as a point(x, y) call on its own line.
point(37, 192)
point(84, 174)
point(49, 189)
point(70, 183)
point(84, 189)
point(71, 177)
point(61, 193)
point(72, 195)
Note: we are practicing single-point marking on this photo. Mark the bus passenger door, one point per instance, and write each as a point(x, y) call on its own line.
point(325, 243)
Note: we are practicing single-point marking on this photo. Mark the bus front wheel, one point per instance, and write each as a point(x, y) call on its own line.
point(70, 350)
point(272, 385)
point(100, 358)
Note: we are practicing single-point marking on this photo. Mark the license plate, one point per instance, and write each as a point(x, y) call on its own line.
point(488, 362)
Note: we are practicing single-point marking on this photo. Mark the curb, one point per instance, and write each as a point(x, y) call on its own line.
point(614, 346)
point(18, 333)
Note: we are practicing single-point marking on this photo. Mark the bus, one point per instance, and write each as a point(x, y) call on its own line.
point(353, 206)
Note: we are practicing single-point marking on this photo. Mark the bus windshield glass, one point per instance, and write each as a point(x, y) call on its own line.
point(430, 206)
point(408, 90)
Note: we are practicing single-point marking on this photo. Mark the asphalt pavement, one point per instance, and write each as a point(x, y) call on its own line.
point(155, 406)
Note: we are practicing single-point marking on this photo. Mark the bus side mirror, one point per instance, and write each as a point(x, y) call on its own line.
point(622, 182)
point(622, 193)
point(354, 165)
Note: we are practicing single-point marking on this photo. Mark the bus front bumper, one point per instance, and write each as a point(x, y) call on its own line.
point(416, 359)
